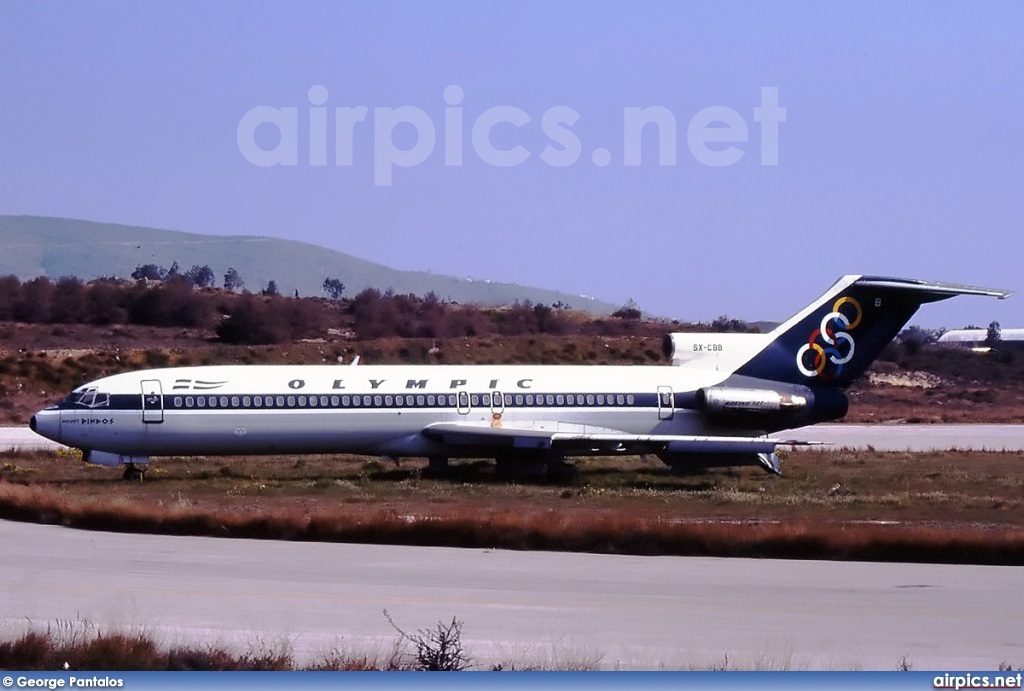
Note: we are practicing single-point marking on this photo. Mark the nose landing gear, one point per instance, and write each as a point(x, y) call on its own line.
point(133, 473)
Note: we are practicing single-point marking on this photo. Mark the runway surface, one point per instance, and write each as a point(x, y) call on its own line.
point(880, 437)
point(914, 437)
point(554, 609)
point(12, 438)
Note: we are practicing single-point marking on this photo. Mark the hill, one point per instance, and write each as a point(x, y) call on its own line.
point(54, 247)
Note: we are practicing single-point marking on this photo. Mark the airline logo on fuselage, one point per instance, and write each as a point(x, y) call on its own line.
point(826, 359)
point(196, 385)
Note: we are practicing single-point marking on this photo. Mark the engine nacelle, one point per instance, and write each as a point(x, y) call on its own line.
point(717, 400)
point(714, 351)
point(769, 405)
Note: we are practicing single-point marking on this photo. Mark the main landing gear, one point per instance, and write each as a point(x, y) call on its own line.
point(437, 464)
point(522, 466)
point(535, 466)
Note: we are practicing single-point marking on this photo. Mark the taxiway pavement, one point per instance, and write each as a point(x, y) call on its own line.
point(880, 437)
point(529, 608)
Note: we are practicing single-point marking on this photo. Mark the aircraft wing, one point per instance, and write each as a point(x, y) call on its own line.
point(570, 437)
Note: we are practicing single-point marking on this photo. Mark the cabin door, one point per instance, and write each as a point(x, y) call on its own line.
point(152, 401)
point(666, 403)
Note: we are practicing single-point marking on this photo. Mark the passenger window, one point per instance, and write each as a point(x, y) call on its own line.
point(189, 401)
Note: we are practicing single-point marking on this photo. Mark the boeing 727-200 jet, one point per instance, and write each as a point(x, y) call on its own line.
point(712, 407)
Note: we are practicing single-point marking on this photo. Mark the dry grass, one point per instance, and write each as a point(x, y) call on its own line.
point(946, 507)
point(77, 647)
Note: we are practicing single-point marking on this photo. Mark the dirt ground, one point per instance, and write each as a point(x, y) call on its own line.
point(843, 504)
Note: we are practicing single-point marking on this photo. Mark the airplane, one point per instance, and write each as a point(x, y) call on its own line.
point(713, 406)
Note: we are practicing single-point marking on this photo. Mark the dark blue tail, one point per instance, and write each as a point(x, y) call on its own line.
point(835, 339)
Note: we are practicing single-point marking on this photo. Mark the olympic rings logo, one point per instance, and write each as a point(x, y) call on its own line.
point(838, 345)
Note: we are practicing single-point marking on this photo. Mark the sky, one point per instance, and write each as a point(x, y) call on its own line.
point(785, 145)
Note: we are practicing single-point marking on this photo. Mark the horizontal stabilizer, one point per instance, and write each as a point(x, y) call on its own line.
point(936, 288)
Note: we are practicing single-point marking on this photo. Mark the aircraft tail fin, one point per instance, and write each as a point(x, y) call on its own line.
point(835, 339)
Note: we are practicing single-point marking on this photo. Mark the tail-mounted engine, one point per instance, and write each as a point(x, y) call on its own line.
point(718, 400)
point(769, 404)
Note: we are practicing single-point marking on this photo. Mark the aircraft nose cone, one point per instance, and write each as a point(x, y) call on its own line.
point(46, 423)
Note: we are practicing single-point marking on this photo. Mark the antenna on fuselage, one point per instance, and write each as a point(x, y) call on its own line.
point(355, 361)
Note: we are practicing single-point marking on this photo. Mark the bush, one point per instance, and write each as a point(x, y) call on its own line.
point(438, 649)
point(254, 321)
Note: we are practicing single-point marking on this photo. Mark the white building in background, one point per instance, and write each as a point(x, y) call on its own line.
point(975, 338)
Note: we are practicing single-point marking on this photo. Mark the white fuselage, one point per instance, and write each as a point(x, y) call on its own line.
point(361, 409)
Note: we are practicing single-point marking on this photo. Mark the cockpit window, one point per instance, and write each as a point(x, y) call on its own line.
point(91, 398)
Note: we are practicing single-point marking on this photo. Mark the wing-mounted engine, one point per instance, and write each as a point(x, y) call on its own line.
point(769, 405)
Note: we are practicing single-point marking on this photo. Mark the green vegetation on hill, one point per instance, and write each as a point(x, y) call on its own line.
point(54, 247)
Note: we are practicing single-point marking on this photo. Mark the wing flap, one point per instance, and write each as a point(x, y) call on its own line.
point(571, 436)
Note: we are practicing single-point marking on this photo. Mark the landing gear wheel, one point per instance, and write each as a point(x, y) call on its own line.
point(437, 464)
point(524, 468)
point(563, 474)
point(133, 473)
point(560, 472)
point(535, 467)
